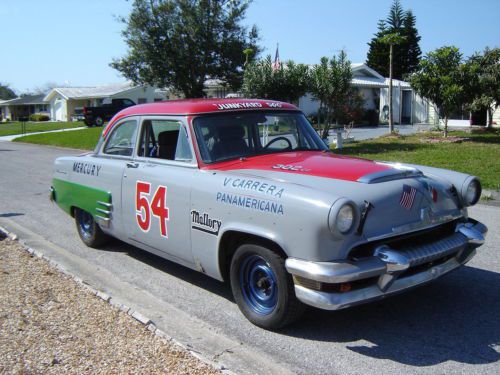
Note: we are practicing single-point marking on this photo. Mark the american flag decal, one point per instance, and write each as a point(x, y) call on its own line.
point(407, 197)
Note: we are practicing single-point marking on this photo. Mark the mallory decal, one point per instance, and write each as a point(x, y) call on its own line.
point(253, 185)
point(86, 168)
point(262, 205)
point(203, 222)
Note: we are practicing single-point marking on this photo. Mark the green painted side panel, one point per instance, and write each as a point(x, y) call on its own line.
point(68, 194)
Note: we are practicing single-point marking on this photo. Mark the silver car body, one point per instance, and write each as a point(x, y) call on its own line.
point(282, 201)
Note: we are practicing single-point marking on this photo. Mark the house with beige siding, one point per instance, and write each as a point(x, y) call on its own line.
point(66, 103)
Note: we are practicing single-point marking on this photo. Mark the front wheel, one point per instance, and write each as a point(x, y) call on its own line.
point(88, 230)
point(262, 288)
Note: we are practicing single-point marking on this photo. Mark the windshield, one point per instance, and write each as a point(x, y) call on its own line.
point(234, 135)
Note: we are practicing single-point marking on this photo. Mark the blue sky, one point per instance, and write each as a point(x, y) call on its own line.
point(73, 41)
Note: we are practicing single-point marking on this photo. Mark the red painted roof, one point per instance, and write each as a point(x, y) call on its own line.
point(311, 163)
point(198, 106)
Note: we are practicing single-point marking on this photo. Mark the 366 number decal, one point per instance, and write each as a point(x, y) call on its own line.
point(144, 209)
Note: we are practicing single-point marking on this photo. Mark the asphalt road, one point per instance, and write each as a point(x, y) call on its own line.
point(451, 326)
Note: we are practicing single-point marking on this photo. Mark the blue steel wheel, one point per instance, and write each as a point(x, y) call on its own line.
point(258, 285)
point(86, 224)
point(262, 287)
point(88, 230)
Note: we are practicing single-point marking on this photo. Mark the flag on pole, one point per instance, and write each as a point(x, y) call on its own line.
point(277, 62)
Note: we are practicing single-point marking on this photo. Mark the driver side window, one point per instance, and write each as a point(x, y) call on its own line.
point(121, 141)
point(278, 133)
point(164, 139)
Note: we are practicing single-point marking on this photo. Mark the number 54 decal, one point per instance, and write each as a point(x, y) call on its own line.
point(157, 207)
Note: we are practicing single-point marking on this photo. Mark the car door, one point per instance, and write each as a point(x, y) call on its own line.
point(157, 188)
point(107, 168)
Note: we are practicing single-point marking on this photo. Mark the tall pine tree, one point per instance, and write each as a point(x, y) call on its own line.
point(411, 42)
point(407, 54)
point(378, 54)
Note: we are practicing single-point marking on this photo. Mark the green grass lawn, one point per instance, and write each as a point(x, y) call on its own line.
point(479, 155)
point(84, 139)
point(11, 128)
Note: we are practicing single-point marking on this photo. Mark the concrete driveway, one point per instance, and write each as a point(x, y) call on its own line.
point(368, 132)
point(450, 326)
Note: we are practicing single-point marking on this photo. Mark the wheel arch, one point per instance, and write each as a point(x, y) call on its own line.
point(233, 238)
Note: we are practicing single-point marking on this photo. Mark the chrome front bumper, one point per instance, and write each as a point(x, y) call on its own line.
point(387, 268)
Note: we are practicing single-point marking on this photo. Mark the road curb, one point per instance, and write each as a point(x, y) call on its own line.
point(138, 316)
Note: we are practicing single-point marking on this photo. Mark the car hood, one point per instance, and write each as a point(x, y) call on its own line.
point(326, 176)
point(313, 163)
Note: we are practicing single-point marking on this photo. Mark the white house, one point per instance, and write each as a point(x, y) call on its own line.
point(408, 108)
point(66, 102)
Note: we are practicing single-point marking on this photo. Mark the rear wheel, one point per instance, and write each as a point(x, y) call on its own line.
point(99, 121)
point(88, 230)
point(262, 288)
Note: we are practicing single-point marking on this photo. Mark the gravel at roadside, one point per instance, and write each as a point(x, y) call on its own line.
point(51, 324)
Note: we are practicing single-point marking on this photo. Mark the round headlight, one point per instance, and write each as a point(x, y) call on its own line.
point(473, 192)
point(345, 218)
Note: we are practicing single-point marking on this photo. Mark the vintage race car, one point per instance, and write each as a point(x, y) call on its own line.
point(246, 191)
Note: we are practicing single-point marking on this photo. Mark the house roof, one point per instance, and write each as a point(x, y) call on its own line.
point(365, 70)
point(25, 100)
point(90, 92)
point(368, 82)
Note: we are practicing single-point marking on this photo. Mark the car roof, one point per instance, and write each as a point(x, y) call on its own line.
point(199, 106)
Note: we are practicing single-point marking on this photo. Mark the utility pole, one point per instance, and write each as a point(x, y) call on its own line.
point(391, 40)
point(391, 124)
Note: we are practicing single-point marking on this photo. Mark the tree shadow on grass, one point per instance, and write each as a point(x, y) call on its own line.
point(489, 140)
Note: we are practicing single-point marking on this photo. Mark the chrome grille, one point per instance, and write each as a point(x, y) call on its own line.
point(424, 253)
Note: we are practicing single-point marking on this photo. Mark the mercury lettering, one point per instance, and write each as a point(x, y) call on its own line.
point(86, 168)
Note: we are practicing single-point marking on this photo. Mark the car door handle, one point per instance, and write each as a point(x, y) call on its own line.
point(132, 164)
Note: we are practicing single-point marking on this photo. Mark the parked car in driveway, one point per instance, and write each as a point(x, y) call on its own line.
point(245, 191)
point(98, 115)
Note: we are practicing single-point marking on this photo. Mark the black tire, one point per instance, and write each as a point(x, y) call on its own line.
point(266, 268)
point(88, 230)
point(98, 121)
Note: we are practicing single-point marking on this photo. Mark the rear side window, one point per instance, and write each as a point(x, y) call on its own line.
point(122, 139)
point(164, 139)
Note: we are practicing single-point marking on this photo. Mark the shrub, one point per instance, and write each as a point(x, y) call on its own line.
point(313, 118)
point(39, 117)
